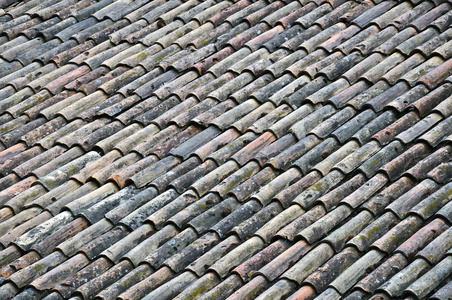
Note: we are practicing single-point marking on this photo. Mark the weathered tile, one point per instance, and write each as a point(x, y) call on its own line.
point(356, 271)
point(386, 270)
point(441, 173)
point(431, 45)
point(386, 135)
point(309, 263)
point(383, 156)
point(433, 202)
point(429, 281)
point(400, 281)
point(443, 291)
point(404, 101)
point(420, 127)
point(400, 164)
point(404, 203)
point(398, 234)
point(28, 274)
point(422, 22)
point(222, 154)
point(422, 238)
point(396, 73)
point(437, 75)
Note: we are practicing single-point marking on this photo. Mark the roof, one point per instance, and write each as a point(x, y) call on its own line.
point(225, 149)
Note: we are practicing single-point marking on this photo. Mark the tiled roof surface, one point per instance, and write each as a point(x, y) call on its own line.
point(225, 149)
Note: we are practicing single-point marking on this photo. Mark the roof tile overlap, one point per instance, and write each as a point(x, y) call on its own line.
point(191, 149)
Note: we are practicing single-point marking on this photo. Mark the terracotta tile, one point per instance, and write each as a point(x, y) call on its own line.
point(422, 238)
point(61, 198)
point(237, 256)
point(316, 155)
point(396, 167)
point(173, 287)
point(195, 209)
point(246, 153)
point(442, 292)
point(303, 127)
point(396, 73)
point(11, 220)
point(275, 43)
point(10, 254)
point(365, 18)
point(351, 275)
point(206, 110)
point(293, 43)
point(200, 265)
point(96, 284)
point(14, 99)
point(428, 47)
point(383, 156)
point(276, 16)
point(9, 163)
point(331, 199)
point(274, 149)
point(267, 87)
point(402, 102)
point(22, 228)
point(148, 284)
point(402, 205)
point(337, 68)
point(96, 268)
point(13, 136)
point(199, 287)
point(268, 214)
point(34, 102)
point(135, 139)
point(432, 203)
point(134, 212)
point(251, 290)
point(168, 244)
point(225, 288)
point(386, 270)
point(340, 262)
point(422, 22)
point(399, 282)
point(436, 249)
point(309, 263)
point(374, 231)
point(306, 292)
point(386, 135)
point(63, 172)
point(419, 128)
point(236, 178)
point(46, 246)
point(322, 36)
point(16, 189)
point(444, 107)
point(346, 46)
point(321, 227)
point(434, 277)
point(398, 234)
point(441, 173)
point(414, 75)
point(339, 38)
point(111, 205)
point(405, 18)
point(442, 22)
point(28, 274)
point(437, 75)
point(269, 12)
point(222, 154)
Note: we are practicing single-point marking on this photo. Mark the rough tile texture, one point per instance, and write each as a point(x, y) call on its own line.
point(225, 149)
